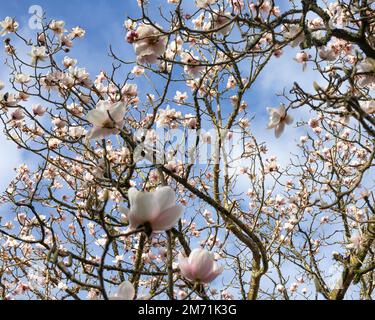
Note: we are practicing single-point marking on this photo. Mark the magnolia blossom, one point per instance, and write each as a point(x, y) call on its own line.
point(278, 119)
point(221, 20)
point(149, 44)
point(125, 291)
point(156, 211)
point(39, 110)
point(38, 54)
point(69, 62)
point(367, 73)
point(8, 25)
point(368, 106)
point(22, 78)
point(200, 266)
point(327, 54)
point(204, 3)
point(180, 97)
point(356, 242)
point(18, 114)
point(192, 64)
point(107, 119)
point(57, 26)
point(293, 33)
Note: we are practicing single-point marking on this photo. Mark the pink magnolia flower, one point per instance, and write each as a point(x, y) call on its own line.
point(18, 115)
point(327, 54)
point(221, 21)
point(154, 210)
point(125, 292)
point(278, 119)
point(149, 44)
point(107, 119)
point(200, 266)
point(39, 110)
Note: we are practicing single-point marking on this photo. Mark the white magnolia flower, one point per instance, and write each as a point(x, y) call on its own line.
point(57, 26)
point(125, 292)
point(222, 20)
point(294, 34)
point(150, 44)
point(366, 68)
point(156, 211)
point(180, 97)
point(327, 54)
point(76, 132)
point(107, 119)
point(368, 106)
point(8, 25)
point(192, 64)
point(69, 62)
point(278, 119)
point(22, 78)
point(38, 54)
point(204, 3)
point(2, 85)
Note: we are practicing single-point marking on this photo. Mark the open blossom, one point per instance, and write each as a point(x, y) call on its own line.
point(149, 44)
point(18, 114)
point(38, 54)
point(8, 25)
point(278, 119)
point(125, 291)
point(293, 33)
point(204, 3)
point(69, 62)
point(156, 211)
point(356, 242)
point(200, 266)
point(57, 26)
point(107, 119)
point(180, 97)
point(22, 78)
point(221, 20)
point(192, 64)
point(327, 54)
point(39, 110)
point(368, 106)
point(77, 32)
point(302, 57)
point(366, 69)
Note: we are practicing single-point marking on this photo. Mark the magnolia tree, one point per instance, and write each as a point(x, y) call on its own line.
point(146, 181)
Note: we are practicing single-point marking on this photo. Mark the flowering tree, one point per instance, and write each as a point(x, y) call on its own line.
point(146, 180)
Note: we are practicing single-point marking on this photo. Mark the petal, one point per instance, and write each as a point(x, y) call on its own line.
point(97, 117)
point(142, 206)
point(100, 133)
point(117, 112)
point(288, 119)
point(165, 197)
point(215, 272)
point(281, 111)
point(279, 129)
point(166, 219)
point(185, 268)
